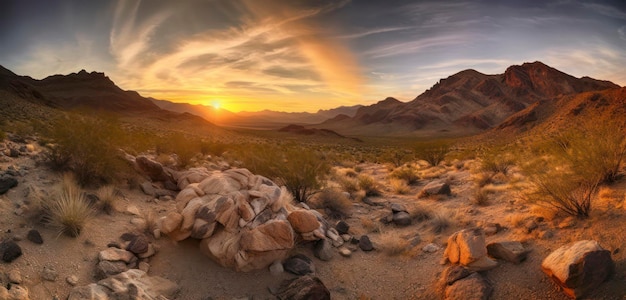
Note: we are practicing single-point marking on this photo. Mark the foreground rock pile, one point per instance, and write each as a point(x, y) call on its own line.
point(244, 221)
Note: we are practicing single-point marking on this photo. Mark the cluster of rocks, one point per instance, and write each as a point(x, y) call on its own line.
point(15, 150)
point(11, 287)
point(577, 268)
point(244, 221)
point(122, 270)
point(133, 253)
point(468, 251)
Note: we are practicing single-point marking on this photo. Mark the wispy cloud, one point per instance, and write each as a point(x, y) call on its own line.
point(419, 44)
point(369, 32)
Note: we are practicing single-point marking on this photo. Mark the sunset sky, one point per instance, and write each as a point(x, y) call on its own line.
point(296, 55)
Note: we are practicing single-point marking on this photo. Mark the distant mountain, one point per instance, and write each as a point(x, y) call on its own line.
point(89, 91)
point(301, 130)
point(467, 102)
point(266, 119)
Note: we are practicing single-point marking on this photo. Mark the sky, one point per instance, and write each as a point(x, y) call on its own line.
point(305, 55)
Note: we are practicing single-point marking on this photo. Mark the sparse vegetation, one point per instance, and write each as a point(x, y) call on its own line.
point(420, 212)
point(334, 202)
point(393, 244)
point(369, 185)
point(69, 210)
point(481, 197)
point(87, 147)
point(300, 169)
point(399, 186)
point(108, 197)
point(433, 152)
point(574, 165)
point(440, 221)
point(406, 173)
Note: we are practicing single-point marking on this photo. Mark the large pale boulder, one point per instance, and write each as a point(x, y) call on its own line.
point(467, 247)
point(244, 221)
point(579, 267)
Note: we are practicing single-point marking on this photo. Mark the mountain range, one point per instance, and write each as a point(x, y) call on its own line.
point(465, 103)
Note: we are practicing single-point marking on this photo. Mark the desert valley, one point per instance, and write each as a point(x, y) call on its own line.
point(506, 186)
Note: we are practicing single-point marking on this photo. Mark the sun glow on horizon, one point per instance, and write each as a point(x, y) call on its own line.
point(216, 104)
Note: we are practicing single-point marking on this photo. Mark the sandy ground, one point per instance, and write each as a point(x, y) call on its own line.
point(365, 275)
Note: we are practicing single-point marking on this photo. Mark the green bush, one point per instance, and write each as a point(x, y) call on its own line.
point(574, 164)
point(300, 169)
point(88, 147)
point(433, 152)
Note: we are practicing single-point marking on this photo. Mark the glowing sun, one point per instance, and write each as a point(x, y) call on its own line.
point(215, 104)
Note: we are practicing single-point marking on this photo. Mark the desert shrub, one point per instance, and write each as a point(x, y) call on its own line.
point(496, 162)
point(397, 157)
point(369, 185)
point(351, 173)
point(185, 148)
point(399, 186)
point(420, 212)
point(406, 173)
point(87, 147)
point(334, 203)
point(433, 152)
point(300, 169)
point(213, 148)
point(108, 197)
point(69, 210)
point(349, 185)
point(574, 165)
point(370, 225)
point(480, 197)
point(440, 221)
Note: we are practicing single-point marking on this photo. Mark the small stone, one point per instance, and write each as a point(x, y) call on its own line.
point(115, 254)
point(144, 266)
point(345, 252)
point(156, 233)
point(72, 280)
point(106, 268)
point(365, 244)
point(10, 251)
point(276, 268)
point(396, 208)
point(299, 264)
point(127, 236)
point(301, 288)
point(49, 273)
point(430, 248)
point(138, 245)
point(133, 210)
point(6, 183)
point(17, 292)
point(510, 251)
point(342, 227)
point(34, 236)
point(147, 188)
point(346, 237)
point(15, 276)
point(151, 251)
point(323, 250)
point(402, 218)
point(138, 222)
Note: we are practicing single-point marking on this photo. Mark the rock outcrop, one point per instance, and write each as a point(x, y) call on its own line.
point(131, 284)
point(579, 267)
point(244, 221)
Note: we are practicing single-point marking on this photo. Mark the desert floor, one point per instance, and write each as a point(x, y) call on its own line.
point(384, 273)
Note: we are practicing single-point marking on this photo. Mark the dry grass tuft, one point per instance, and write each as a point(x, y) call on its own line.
point(151, 222)
point(348, 184)
point(518, 219)
point(441, 220)
point(420, 212)
point(108, 197)
point(70, 210)
point(370, 225)
point(399, 186)
point(334, 202)
point(392, 244)
point(369, 185)
point(406, 173)
point(548, 213)
point(481, 197)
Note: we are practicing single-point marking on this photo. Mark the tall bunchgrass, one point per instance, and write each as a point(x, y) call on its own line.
point(69, 210)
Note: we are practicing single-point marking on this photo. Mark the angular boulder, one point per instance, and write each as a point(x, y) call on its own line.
point(580, 267)
point(467, 247)
point(511, 251)
point(436, 188)
point(472, 287)
point(303, 221)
